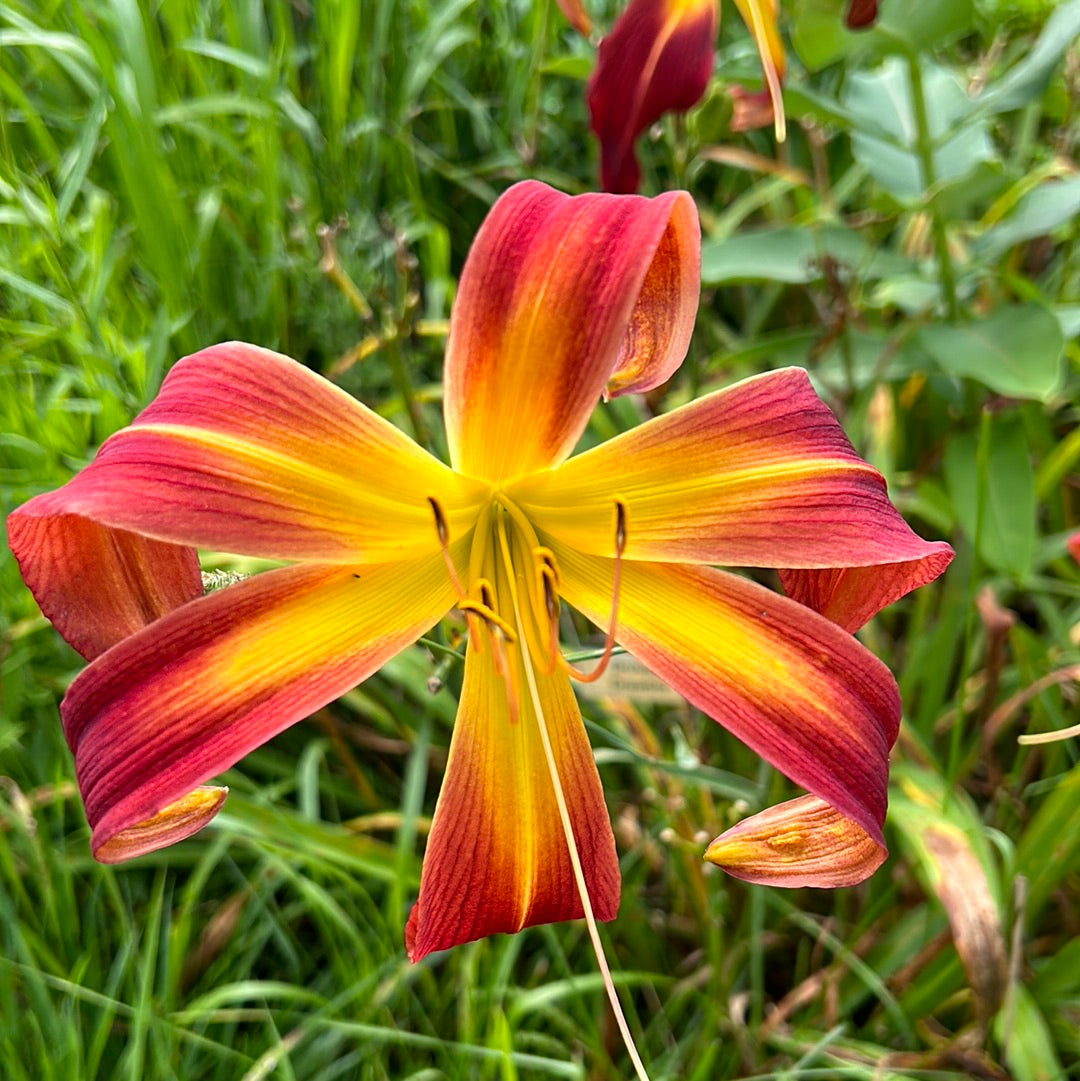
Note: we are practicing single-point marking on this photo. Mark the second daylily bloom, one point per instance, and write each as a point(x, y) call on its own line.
point(561, 300)
point(658, 58)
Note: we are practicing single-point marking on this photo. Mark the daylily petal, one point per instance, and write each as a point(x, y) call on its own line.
point(1073, 546)
point(247, 451)
point(184, 699)
point(850, 596)
point(559, 295)
point(792, 686)
point(803, 842)
point(658, 57)
point(760, 18)
point(496, 859)
point(98, 585)
point(759, 474)
point(171, 824)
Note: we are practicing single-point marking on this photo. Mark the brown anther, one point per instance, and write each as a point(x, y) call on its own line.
point(620, 527)
point(440, 522)
point(551, 594)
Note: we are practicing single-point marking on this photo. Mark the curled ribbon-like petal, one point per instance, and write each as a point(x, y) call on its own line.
point(558, 297)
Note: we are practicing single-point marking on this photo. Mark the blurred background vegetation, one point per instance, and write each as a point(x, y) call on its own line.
point(307, 175)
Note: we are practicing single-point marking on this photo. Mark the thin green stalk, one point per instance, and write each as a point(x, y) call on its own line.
point(924, 145)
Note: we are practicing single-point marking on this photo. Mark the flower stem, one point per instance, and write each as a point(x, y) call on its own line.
point(924, 146)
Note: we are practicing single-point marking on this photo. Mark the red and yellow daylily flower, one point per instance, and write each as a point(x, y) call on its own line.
point(561, 300)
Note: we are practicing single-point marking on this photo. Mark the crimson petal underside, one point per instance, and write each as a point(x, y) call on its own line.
point(98, 585)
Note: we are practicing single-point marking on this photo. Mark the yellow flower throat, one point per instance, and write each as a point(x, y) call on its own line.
point(511, 596)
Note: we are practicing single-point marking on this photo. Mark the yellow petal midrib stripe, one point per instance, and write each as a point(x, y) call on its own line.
point(442, 478)
point(576, 491)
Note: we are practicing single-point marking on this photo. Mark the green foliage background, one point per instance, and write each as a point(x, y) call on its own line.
point(308, 176)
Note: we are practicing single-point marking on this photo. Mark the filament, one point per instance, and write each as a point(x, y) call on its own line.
point(609, 641)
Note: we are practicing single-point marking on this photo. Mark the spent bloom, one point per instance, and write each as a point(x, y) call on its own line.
point(562, 300)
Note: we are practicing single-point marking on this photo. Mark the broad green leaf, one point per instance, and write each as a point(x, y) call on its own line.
point(1025, 81)
point(1022, 1032)
point(794, 256)
point(885, 139)
point(819, 37)
point(1016, 350)
point(1039, 212)
point(1004, 526)
point(1068, 317)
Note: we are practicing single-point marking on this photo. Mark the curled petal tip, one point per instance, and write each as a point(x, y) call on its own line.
point(662, 322)
point(760, 18)
point(95, 584)
point(851, 596)
point(173, 823)
point(803, 842)
point(557, 294)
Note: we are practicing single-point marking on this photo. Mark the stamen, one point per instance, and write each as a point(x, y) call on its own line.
point(481, 537)
point(609, 641)
point(503, 641)
point(551, 606)
point(1049, 737)
point(443, 533)
point(486, 610)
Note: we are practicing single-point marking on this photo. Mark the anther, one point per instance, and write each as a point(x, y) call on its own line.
point(442, 531)
point(620, 527)
point(485, 609)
